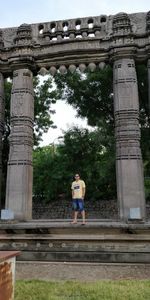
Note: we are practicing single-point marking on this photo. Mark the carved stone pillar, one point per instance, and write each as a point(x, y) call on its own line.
point(148, 67)
point(19, 174)
point(2, 111)
point(129, 169)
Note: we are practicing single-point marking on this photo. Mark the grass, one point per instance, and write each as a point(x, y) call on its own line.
point(74, 290)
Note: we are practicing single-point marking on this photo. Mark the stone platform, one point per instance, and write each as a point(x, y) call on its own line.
point(102, 241)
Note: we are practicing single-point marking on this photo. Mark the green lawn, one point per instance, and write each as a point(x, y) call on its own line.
point(73, 290)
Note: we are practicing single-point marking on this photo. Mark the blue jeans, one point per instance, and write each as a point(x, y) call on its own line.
point(78, 204)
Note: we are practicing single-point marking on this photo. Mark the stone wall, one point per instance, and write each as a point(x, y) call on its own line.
point(62, 209)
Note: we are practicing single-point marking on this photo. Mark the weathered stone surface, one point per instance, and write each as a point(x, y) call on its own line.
point(2, 112)
point(148, 66)
point(122, 40)
point(130, 184)
point(76, 41)
point(62, 209)
point(60, 241)
point(19, 177)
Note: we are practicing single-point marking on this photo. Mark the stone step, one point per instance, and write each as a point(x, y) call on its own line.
point(95, 242)
point(64, 227)
point(75, 237)
point(83, 256)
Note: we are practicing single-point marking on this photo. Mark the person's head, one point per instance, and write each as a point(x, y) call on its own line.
point(77, 176)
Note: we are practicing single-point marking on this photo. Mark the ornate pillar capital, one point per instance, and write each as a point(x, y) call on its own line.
point(24, 61)
point(122, 38)
point(122, 52)
point(22, 51)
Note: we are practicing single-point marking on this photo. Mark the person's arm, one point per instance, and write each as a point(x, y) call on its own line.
point(83, 192)
point(72, 189)
point(72, 193)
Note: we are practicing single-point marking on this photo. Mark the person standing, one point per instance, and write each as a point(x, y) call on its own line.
point(78, 193)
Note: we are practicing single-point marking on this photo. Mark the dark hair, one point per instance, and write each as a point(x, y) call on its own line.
point(77, 174)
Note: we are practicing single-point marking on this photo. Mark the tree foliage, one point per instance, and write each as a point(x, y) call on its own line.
point(90, 94)
point(44, 96)
point(91, 153)
point(50, 178)
point(144, 116)
point(82, 151)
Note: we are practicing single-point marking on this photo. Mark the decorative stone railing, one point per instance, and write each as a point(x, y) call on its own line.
point(69, 44)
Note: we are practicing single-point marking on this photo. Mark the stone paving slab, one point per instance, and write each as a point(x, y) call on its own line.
point(35, 224)
point(56, 271)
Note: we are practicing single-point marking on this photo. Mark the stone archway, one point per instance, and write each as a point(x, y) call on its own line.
point(121, 40)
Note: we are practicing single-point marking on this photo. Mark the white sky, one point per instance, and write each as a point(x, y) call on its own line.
point(17, 12)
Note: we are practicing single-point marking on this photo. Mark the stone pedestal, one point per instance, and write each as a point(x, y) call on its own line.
point(129, 169)
point(19, 175)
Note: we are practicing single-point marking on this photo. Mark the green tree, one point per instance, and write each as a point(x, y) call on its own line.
point(144, 124)
point(82, 151)
point(44, 96)
point(144, 116)
point(50, 178)
point(92, 96)
point(91, 154)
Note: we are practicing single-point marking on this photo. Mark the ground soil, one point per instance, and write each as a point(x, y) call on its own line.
point(56, 271)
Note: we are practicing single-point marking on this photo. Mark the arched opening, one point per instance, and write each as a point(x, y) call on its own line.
point(41, 29)
point(100, 200)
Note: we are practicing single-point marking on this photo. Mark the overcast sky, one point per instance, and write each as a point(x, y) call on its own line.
point(17, 12)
